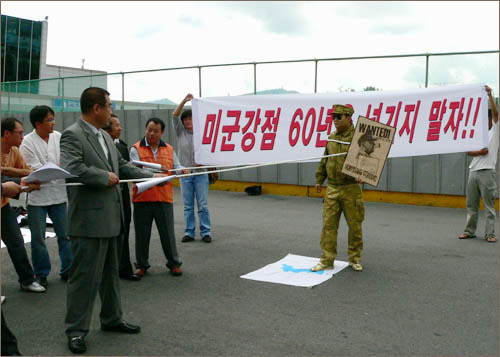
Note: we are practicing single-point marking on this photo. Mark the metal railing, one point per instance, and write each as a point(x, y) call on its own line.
point(8, 88)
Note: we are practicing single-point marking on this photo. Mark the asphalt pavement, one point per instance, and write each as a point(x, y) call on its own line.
point(423, 291)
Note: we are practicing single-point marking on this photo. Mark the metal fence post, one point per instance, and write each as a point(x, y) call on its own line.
point(315, 75)
point(255, 78)
point(123, 91)
point(426, 70)
point(62, 101)
point(199, 81)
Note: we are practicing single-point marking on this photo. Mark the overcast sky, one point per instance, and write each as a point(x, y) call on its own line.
point(125, 36)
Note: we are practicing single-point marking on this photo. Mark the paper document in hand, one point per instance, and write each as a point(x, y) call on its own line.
point(48, 172)
point(143, 186)
point(151, 165)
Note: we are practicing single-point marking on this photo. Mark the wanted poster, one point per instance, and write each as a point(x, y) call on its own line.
point(369, 149)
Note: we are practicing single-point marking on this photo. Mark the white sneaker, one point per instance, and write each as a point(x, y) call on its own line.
point(34, 287)
point(3, 299)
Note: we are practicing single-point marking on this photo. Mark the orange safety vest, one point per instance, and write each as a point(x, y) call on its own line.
point(165, 157)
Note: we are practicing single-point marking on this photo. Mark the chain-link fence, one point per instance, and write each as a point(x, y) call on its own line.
point(163, 88)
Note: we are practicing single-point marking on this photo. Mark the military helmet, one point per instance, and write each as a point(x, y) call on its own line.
point(342, 110)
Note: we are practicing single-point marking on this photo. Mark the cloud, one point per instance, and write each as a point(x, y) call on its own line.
point(454, 70)
point(191, 21)
point(148, 31)
point(276, 17)
point(374, 10)
point(395, 28)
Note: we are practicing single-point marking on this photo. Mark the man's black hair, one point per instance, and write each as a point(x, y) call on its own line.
point(156, 121)
point(186, 114)
point(92, 96)
point(9, 124)
point(38, 114)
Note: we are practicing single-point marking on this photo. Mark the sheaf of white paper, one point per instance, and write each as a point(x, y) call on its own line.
point(146, 185)
point(48, 172)
point(295, 270)
point(151, 165)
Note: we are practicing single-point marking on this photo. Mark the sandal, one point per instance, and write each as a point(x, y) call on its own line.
point(491, 239)
point(466, 236)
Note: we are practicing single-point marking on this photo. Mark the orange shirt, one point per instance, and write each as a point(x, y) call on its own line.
point(165, 157)
point(13, 159)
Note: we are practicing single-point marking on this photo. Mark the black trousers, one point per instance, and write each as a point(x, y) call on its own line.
point(9, 341)
point(124, 250)
point(163, 215)
point(13, 240)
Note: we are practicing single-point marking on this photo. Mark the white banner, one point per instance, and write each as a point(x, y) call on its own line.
point(264, 128)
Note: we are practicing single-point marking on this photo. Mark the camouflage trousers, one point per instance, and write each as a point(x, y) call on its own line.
point(346, 199)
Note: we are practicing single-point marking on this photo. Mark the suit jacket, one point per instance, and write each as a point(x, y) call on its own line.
point(94, 209)
point(123, 149)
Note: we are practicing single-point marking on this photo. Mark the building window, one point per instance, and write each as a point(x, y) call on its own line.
point(11, 49)
point(24, 56)
point(4, 24)
point(35, 55)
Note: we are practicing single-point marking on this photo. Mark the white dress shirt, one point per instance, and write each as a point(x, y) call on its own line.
point(36, 152)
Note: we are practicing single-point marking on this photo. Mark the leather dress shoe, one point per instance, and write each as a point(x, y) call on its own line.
point(122, 327)
point(131, 277)
point(140, 272)
point(76, 344)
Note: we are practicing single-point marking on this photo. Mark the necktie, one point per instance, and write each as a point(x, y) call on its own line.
point(103, 144)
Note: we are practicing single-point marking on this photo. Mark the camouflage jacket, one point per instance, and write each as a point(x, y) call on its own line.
point(331, 166)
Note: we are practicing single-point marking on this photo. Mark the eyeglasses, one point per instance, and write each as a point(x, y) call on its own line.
point(337, 116)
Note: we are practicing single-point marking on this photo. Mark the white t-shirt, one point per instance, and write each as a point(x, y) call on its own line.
point(36, 152)
point(489, 160)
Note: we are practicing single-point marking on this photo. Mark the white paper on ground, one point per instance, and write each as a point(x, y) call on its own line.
point(27, 235)
point(151, 165)
point(146, 185)
point(20, 217)
point(48, 172)
point(295, 270)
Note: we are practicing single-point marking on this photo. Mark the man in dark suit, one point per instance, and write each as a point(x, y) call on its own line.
point(95, 219)
point(114, 130)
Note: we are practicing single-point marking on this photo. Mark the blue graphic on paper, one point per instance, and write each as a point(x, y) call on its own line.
point(289, 268)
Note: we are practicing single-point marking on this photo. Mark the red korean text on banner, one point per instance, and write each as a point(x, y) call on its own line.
point(324, 127)
point(406, 128)
point(393, 112)
point(211, 130)
point(376, 112)
point(271, 124)
point(253, 117)
point(230, 130)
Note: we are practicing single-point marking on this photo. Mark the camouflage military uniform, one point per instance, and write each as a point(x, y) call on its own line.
point(343, 194)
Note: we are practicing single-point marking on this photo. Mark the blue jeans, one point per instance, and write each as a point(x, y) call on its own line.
point(39, 254)
point(196, 186)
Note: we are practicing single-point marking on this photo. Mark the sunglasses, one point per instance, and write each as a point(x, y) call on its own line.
point(337, 116)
